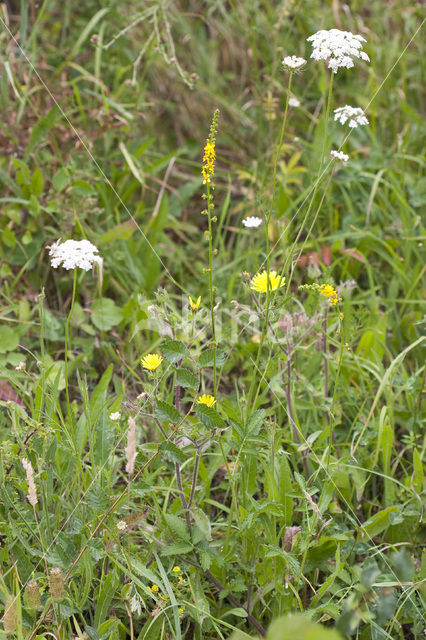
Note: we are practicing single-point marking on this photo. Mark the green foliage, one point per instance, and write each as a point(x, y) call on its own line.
point(302, 488)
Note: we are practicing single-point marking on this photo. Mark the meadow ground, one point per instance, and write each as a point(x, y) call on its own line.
point(211, 413)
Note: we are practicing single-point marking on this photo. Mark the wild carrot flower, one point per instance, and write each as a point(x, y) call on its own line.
point(74, 253)
point(338, 47)
point(355, 115)
point(339, 155)
point(32, 492)
point(115, 416)
point(121, 525)
point(293, 62)
point(194, 305)
point(264, 280)
point(151, 361)
point(293, 101)
point(251, 222)
point(206, 399)
point(209, 156)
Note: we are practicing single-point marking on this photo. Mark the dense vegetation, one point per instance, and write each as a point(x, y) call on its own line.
point(192, 448)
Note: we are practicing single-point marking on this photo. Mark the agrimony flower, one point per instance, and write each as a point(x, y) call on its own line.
point(206, 399)
point(264, 281)
point(209, 156)
point(252, 222)
point(194, 305)
point(339, 155)
point(151, 361)
point(355, 115)
point(32, 491)
point(293, 63)
point(329, 292)
point(338, 47)
point(74, 253)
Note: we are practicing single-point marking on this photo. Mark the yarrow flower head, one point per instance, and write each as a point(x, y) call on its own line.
point(209, 156)
point(338, 47)
point(151, 361)
point(293, 62)
point(74, 253)
point(355, 115)
point(264, 280)
point(251, 222)
point(339, 155)
point(206, 399)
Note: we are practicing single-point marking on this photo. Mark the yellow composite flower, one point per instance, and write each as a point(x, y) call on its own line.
point(260, 281)
point(328, 291)
point(151, 361)
point(176, 569)
point(206, 399)
point(194, 305)
point(154, 589)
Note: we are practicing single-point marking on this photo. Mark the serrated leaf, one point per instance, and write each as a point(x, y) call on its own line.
point(174, 350)
point(178, 526)
point(172, 452)
point(185, 378)
point(209, 416)
point(206, 359)
point(177, 548)
point(105, 314)
point(168, 412)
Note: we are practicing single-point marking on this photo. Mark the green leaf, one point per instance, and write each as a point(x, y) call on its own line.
point(60, 180)
point(206, 359)
point(375, 525)
point(9, 339)
point(298, 627)
point(209, 416)
point(122, 231)
point(171, 452)
point(168, 412)
point(178, 526)
point(41, 129)
point(185, 378)
point(105, 314)
point(36, 184)
point(177, 548)
point(418, 471)
point(174, 350)
point(106, 592)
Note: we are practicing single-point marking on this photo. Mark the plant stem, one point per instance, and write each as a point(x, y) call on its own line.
point(74, 289)
point(211, 289)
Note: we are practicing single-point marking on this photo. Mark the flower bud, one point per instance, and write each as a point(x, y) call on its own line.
point(33, 595)
point(56, 584)
point(10, 616)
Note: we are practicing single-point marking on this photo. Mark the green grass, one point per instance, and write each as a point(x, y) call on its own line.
point(301, 490)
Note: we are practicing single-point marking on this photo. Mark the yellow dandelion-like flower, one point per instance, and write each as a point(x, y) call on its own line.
point(206, 399)
point(151, 361)
point(176, 569)
point(328, 291)
point(154, 589)
point(194, 305)
point(260, 281)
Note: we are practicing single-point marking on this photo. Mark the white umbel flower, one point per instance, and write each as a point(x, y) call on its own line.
point(293, 101)
point(293, 62)
point(74, 253)
point(252, 222)
point(338, 47)
point(115, 416)
point(339, 155)
point(355, 115)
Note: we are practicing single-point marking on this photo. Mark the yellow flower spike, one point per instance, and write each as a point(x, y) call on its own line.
point(328, 291)
point(194, 305)
point(260, 281)
point(151, 361)
point(176, 569)
point(206, 399)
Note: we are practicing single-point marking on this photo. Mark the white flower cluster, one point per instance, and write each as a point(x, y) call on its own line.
point(252, 222)
point(293, 101)
point(293, 62)
point(338, 47)
point(355, 115)
point(339, 155)
point(74, 253)
point(115, 416)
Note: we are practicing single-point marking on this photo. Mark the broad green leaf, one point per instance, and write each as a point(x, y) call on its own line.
point(60, 180)
point(299, 627)
point(106, 592)
point(168, 412)
point(185, 378)
point(105, 314)
point(177, 526)
point(9, 339)
point(174, 350)
point(206, 359)
point(209, 416)
point(375, 525)
point(171, 452)
point(41, 129)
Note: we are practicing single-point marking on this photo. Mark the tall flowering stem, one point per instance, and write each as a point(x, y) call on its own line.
point(67, 328)
point(207, 171)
